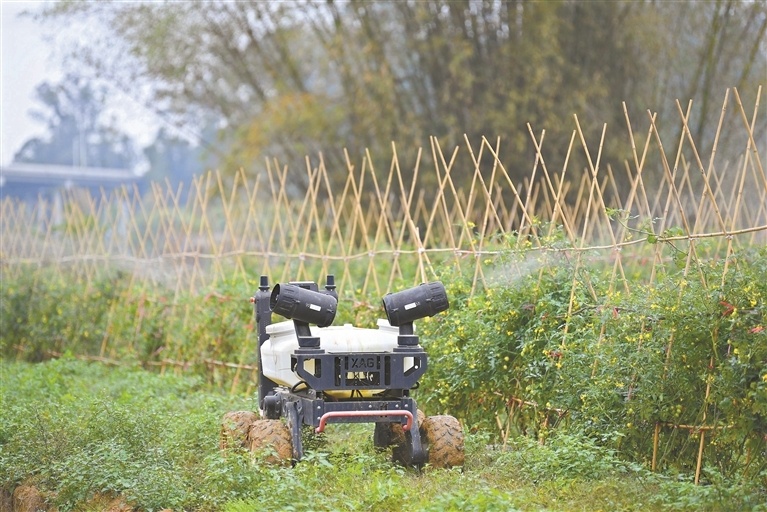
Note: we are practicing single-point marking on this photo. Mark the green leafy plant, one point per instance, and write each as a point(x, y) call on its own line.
point(556, 346)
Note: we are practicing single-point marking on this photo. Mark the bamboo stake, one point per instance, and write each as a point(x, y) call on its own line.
point(367, 163)
point(489, 209)
point(557, 209)
point(462, 216)
point(750, 129)
point(383, 224)
point(407, 221)
point(703, 172)
point(525, 216)
point(699, 462)
point(440, 202)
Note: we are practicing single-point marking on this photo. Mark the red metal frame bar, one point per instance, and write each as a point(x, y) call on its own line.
point(351, 414)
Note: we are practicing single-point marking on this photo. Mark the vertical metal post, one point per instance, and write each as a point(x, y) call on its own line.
point(263, 319)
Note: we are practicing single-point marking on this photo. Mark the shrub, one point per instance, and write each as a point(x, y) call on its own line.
point(555, 345)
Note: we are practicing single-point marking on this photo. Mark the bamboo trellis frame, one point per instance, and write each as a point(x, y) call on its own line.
point(379, 230)
point(233, 227)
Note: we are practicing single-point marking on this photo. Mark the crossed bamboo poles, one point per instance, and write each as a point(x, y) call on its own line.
point(381, 228)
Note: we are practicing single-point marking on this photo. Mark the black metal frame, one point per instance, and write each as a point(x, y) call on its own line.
point(360, 371)
point(396, 373)
point(302, 409)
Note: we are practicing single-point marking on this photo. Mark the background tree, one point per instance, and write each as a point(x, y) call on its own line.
point(73, 112)
point(289, 79)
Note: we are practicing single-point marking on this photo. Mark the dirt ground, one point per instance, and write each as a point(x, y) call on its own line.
point(27, 498)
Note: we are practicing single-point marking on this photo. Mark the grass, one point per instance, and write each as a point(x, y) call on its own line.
point(82, 431)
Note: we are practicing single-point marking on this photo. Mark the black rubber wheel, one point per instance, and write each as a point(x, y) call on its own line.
point(443, 439)
point(272, 440)
point(234, 429)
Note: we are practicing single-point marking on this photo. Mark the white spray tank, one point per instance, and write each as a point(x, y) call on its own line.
point(277, 350)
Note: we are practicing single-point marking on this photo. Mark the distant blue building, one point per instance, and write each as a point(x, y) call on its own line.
point(30, 182)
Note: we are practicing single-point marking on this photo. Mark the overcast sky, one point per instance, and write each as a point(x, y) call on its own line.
point(24, 63)
point(27, 59)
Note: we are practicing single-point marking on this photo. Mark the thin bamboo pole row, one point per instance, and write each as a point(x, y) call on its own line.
point(379, 228)
point(228, 229)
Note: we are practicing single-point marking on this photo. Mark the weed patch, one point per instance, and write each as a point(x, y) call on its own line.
point(90, 431)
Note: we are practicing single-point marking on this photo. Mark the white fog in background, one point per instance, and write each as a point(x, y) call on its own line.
point(25, 62)
point(27, 59)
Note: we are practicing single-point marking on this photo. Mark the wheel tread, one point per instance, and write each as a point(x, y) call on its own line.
point(234, 429)
point(443, 437)
point(273, 434)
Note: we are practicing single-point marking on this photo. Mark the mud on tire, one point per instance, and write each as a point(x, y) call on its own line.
point(397, 436)
point(443, 439)
point(234, 429)
point(272, 439)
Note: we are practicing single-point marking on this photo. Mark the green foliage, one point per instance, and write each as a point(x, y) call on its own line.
point(548, 343)
point(552, 345)
point(721, 494)
point(46, 313)
point(510, 340)
point(472, 500)
point(563, 456)
point(78, 431)
point(303, 77)
point(43, 312)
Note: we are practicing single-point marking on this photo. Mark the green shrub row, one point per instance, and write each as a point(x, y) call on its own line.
point(44, 314)
point(558, 345)
point(549, 342)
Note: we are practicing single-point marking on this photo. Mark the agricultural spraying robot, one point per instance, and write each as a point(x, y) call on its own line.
point(312, 374)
